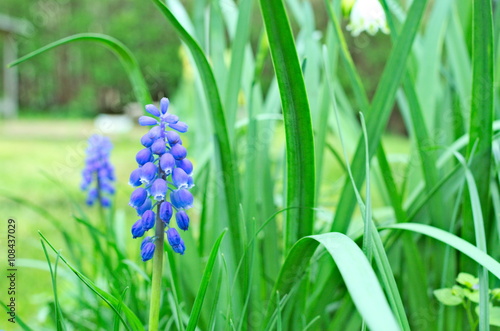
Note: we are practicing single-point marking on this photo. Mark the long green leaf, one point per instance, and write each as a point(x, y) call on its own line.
point(115, 304)
point(376, 119)
point(225, 153)
point(481, 115)
point(126, 57)
point(480, 238)
point(207, 275)
point(299, 137)
point(355, 269)
point(450, 239)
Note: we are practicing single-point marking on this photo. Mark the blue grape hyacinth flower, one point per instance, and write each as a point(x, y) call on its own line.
point(162, 180)
point(98, 175)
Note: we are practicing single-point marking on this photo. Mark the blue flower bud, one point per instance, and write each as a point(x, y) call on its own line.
point(173, 237)
point(146, 140)
point(148, 173)
point(147, 251)
point(182, 220)
point(91, 197)
point(159, 147)
point(148, 220)
point(145, 241)
point(171, 119)
point(164, 102)
point(179, 248)
point(138, 197)
point(185, 165)
point(190, 182)
point(147, 205)
point(173, 138)
point(155, 132)
point(146, 121)
point(166, 211)
point(105, 202)
point(144, 156)
point(137, 229)
point(180, 178)
point(182, 199)
point(179, 126)
point(153, 110)
point(178, 152)
point(159, 189)
point(135, 177)
point(167, 163)
point(108, 188)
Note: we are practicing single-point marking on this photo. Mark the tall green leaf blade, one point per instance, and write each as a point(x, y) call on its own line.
point(125, 56)
point(297, 117)
point(481, 115)
point(235, 73)
point(207, 275)
point(376, 119)
point(224, 150)
point(355, 269)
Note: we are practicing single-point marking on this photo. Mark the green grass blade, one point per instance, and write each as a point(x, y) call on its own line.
point(126, 57)
point(111, 301)
point(225, 154)
point(298, 128)
point(53, 277)
point(378, 115)
point(481, 115)
point(480, 238)
point(207, 275)
point(235, 73)
point(452, 240)
point(355, 269)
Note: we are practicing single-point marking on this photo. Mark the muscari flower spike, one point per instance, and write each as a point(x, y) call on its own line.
point(369, 16)
point(162, 180)
point(98, 170)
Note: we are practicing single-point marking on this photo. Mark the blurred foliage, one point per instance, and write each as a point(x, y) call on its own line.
point(81, 79)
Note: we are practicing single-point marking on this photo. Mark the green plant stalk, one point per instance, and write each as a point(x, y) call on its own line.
point(297, 117)
point(154, 305)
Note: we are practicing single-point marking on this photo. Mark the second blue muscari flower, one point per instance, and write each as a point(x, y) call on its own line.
point(163, 179)
point(98, 175)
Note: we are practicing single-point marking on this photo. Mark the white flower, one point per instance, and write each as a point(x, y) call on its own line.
point(369, 16)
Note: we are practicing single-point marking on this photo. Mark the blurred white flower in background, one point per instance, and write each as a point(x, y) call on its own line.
point(369, 16)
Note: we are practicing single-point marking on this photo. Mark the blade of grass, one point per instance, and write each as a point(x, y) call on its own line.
point(53, 276)
point(481, 113)
point(297, 118)
point(233, 82)
point(458, 243)
point(224, 150)
point(355, 269)
point(125, 56)
point(480, 238)
point(207, 275)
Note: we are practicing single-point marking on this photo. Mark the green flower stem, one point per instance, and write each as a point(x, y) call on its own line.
point(470, 317)
point(154, 306)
